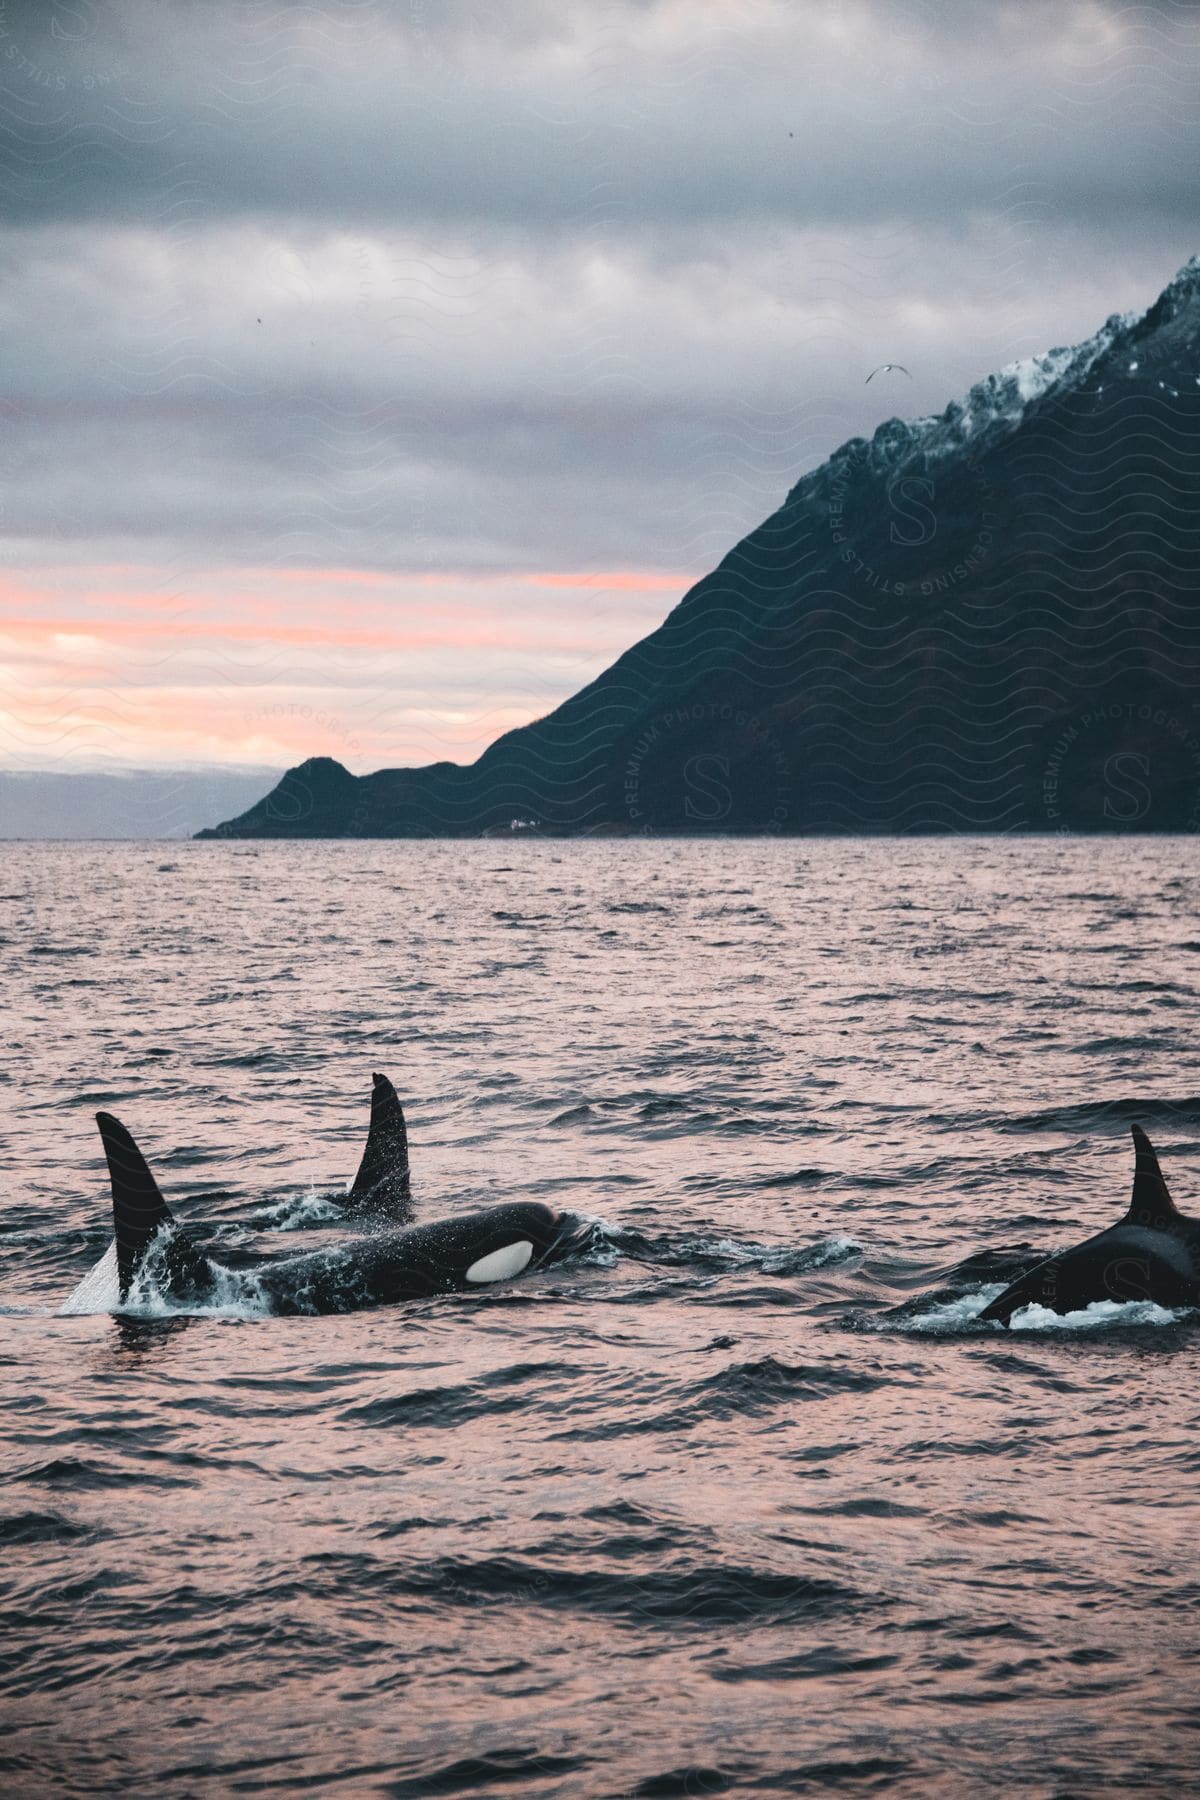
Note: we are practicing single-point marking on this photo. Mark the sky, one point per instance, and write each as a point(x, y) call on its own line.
point(373, 374)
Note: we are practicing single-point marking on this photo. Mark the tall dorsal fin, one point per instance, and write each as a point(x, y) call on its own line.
point(138, 1207)
point(382, 1184)
point(1150, 1196)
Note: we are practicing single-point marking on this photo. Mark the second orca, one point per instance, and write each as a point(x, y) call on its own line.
point(1153, 1253)
point(393, 1262)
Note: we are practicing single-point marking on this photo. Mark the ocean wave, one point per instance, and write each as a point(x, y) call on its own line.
point(720, 1254)
point(961, 1314)
point(304, 1212)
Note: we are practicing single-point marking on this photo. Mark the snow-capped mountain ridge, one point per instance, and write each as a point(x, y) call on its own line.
point(1003, 647)
point(997, 405)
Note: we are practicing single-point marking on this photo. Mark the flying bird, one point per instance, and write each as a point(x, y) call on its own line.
point(883, 370)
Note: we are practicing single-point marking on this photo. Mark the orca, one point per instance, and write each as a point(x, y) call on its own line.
point(375, 1269)
point(1153, 1253)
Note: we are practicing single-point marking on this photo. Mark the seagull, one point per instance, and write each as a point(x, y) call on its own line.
point(883, 369)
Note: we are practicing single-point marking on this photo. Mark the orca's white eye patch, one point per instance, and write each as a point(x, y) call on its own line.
point(500, 1264)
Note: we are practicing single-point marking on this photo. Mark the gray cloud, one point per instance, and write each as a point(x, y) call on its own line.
point(520, 286)
point(669, 116)
point(404, 408)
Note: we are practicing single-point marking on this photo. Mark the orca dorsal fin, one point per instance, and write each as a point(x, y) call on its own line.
point(382, 1184)
point(1150, 1196)
point(139, 1210)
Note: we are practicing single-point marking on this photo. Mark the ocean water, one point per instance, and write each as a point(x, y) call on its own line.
point(744, 1501)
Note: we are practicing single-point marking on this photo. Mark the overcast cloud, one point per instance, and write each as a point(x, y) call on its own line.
point(404, 362)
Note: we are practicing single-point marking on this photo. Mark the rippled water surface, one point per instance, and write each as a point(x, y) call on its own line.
point(741, 1502)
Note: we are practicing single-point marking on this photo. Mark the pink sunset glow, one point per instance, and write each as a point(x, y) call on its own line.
point(121, 664)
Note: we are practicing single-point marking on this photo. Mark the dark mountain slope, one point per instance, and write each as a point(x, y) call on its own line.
point(984, 620)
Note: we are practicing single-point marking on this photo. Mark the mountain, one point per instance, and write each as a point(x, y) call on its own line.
point(983, 620)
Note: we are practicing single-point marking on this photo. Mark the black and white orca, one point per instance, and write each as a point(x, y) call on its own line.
point(392, 1262)
point(1153, 1253)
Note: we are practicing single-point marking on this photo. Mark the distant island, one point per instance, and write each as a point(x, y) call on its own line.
point(984, 620)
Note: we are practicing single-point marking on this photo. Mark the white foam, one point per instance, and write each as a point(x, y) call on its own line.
point(300, 1211)
point(1099, 1313)
point(962, 1312)
point(100, 1289)
point(950, 1315)
point(235, 1293)
point(834, 1249)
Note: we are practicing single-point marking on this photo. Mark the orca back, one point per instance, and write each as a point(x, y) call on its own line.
point(446, 1256)
point(1153, 1253)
